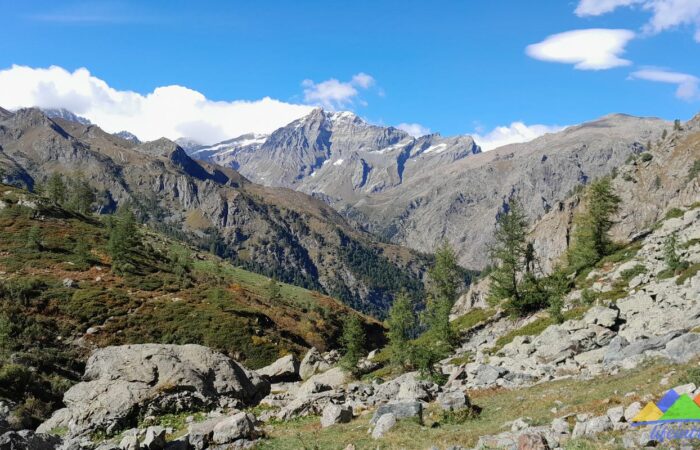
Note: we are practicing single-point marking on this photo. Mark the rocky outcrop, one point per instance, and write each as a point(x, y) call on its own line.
point(476, 297)
point(125, 382)
point(655, 315)
point(648, 188)
point(28, 440)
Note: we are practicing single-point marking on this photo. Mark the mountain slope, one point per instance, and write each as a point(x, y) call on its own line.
point(648, 185)
point(278, 232)
point(59, 300)
point(460, 202)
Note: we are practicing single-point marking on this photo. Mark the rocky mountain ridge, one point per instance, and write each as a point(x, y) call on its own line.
point(418, 191)
point(336, 155)
point(278, 232)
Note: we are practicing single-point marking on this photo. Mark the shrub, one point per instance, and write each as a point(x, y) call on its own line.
point(627, 275)
point(692, 375)
point(588, 297)
point(674, 213)
point(646, 157)
point(459, 416)
point(671, 257)
point(21, 289)
point(14, 378)
point(694, 170)
point(688, 273)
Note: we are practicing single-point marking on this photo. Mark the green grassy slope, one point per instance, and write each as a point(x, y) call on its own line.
point(59, 300)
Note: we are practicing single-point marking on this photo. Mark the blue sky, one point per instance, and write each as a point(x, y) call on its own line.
point(449, 66)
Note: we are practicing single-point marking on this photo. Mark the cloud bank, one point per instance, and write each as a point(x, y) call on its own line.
point(414, 129)
point(333, 94)
point(514, 133)
point(590, 49)
point(665, 14)
point(170, 111)
point(687, 86)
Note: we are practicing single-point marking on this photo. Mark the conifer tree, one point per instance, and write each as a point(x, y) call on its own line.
point(671, 257)
point(509, 253)
point(56, 189)
point(34, 238)
point(443, 287)
point(590, 238)
point(273, 289)
point(353, 340)
point(81, 195)
point(123, 238)
point(402, 325)
point(82, 252)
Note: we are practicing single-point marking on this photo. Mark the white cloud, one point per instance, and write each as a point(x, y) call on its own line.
point(665, 14)
point(333, 94)
point(688, 86)
point(515, 133)
point(170, 111)
point(590, 49)
point(597, 7)
point(414, 129)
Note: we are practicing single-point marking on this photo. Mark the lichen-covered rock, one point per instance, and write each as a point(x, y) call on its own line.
point(123, 382)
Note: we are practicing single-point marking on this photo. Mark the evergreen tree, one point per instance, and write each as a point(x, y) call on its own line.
point(56, 189)
point(5, 335)
point(402, 327)
point(509, 253)
point(557, 286)
point(34, 238)
point(444, 284)
point(81, 195)
point(590, 238)
point(671, 257)
point(353, 340)
point(82, 252)
point(445, 274)
point(273, 289)
point(181, 263)
point(677, 125)
point(123, 238)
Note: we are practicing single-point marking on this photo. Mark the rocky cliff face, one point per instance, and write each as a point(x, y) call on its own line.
point(649, 186)
point(275, 231)
point(337, 156)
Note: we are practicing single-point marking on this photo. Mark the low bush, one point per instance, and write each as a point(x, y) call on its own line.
point(674, 213)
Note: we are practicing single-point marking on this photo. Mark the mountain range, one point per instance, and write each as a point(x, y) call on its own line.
point(418, 191)
point(275, 231)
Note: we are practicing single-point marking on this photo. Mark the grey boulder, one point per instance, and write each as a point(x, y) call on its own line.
point(384, 423)
point(333, 414)
point(683, 348)
point(28, 440)
point(231, 429)
point(123, 382)
point(283, 370)
point(400, 410)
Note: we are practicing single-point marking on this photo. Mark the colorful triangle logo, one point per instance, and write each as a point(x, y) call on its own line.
point(671, 408)
point(650, 413)
point(682, 409)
